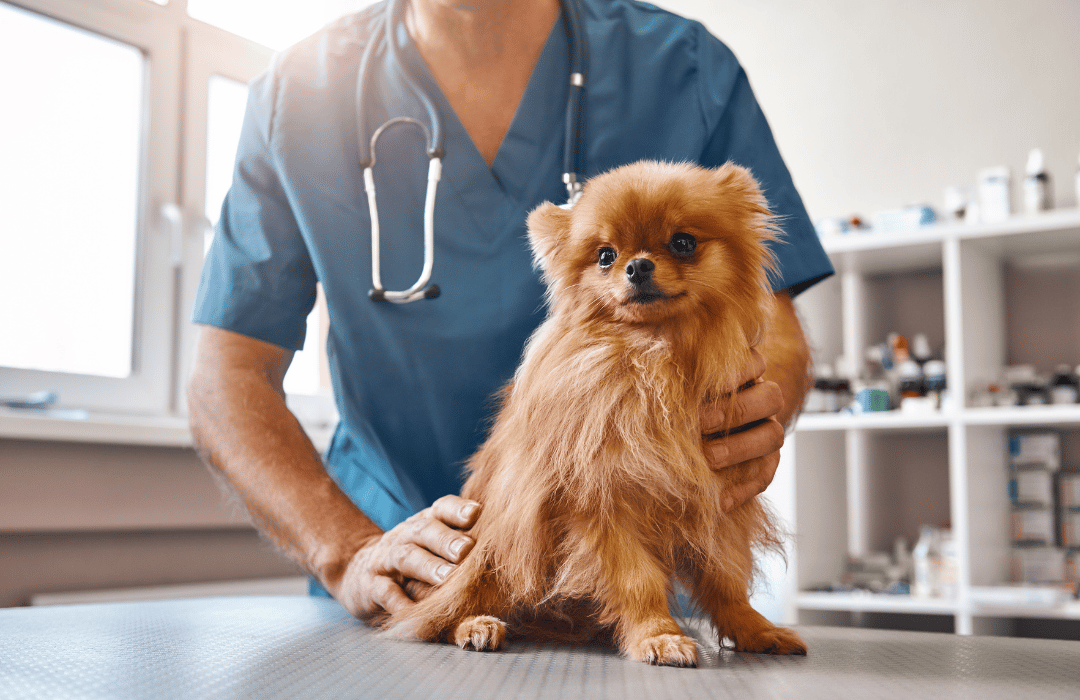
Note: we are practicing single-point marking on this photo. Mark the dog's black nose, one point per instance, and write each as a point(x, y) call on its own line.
point(639, 271)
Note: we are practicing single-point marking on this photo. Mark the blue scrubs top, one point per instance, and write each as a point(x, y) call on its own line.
point(414, 382)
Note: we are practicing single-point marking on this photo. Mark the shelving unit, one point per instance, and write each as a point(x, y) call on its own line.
point(991, 295)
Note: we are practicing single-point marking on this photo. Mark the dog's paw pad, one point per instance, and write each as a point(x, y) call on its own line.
point(778, 640)
point(665, 650)
point(481, 632)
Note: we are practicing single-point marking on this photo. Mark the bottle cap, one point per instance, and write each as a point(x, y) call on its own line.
point(909, 368)
point(934, 368)
point(1035, 163)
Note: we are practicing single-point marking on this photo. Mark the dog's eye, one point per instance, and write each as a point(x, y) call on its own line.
point(682, 244)
point(607, 257)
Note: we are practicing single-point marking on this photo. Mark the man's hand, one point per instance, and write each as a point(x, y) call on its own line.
point(754, 438)
point(422, 550)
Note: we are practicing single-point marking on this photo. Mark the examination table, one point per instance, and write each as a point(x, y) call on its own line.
point(297, 647)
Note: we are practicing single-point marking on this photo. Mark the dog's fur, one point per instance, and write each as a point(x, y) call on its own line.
point(595, 490)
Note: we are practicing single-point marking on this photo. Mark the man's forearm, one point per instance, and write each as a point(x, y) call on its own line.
point(787, 357)
point(244, 430)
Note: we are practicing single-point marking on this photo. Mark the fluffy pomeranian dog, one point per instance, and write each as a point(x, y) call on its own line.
point(596, 494)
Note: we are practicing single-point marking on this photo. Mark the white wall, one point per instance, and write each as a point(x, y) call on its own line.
point(880, 103)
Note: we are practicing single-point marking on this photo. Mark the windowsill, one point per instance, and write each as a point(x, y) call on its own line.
point(115, 429)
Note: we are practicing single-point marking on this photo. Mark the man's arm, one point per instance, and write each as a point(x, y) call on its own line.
point(787, 360)
point(244, 430)
point(784, 367)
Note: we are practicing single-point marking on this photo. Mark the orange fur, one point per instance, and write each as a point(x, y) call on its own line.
point(595, 490)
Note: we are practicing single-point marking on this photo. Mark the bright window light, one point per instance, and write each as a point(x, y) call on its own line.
point(226, 101)
point(70, 134)
point(272, 23)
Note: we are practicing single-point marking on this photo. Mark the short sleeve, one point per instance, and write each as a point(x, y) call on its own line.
point(258, 279)
point(741, 134)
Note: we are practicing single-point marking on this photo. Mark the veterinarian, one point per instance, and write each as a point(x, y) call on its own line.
point(414, 382)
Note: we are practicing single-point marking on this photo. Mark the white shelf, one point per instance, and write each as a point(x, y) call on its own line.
point(884, 420)
point(906, 604)
point(1061, 416)
point(100, 428)
point(922, 248)
point(862, 480)
point(875, 602)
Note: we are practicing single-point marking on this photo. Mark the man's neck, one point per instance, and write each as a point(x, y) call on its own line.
point(482, 53)
point(479, 30)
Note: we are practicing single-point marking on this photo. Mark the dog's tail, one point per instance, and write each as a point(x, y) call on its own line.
point(469, 590)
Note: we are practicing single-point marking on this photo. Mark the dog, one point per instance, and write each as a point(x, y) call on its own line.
point(596, 494)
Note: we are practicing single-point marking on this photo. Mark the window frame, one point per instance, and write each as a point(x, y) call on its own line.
point(181, 54)
point(149, 388)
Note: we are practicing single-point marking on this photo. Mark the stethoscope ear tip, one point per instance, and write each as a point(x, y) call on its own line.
point(432, 292)
point(376, 294)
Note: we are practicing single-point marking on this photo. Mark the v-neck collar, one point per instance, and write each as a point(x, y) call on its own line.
point(535, 128)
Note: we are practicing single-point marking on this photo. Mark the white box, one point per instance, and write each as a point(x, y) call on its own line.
point(1038, 565)
point(1033, 525)
point(1032, 488)
point(1070, 527)
point(1069, 489)
point(1035, 451)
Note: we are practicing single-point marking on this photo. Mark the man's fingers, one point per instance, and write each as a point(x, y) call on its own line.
point(762, 440)
point(765, 470)
point(388, 595)
point(762, 400)
point(440, 539)
point(417, 590)
point(755, 369)
point(456, 511)
point(757, 402)
point(416, 561)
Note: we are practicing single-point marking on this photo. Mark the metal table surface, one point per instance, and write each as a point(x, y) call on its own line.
point(297, 647)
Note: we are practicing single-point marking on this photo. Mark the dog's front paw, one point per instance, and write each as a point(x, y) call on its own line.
point(480, 632)
point(665, 650)
point(776, 640)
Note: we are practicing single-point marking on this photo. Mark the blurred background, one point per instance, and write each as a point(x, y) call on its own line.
point(117, 138)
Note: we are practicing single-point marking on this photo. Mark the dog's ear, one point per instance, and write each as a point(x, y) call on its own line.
point(549, 227)
point(738, 184)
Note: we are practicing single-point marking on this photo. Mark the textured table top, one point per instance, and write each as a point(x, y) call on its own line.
point(297, 647)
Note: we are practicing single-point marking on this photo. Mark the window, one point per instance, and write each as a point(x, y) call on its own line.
point(128, 117)
point(67, 255)
point(273, 23)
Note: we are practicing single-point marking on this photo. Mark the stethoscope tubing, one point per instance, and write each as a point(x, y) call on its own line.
point(392, 18)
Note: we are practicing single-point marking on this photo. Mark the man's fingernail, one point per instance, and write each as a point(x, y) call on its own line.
point(442, 572)
point(457, 545)
point(468, 510)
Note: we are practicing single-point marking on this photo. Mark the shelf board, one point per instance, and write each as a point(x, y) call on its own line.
point(1059, 416)
point(1027, 236)
point(884, 420)
point(1024, 601)
point(886, 252)
point(872, 602)
point(1063, 416)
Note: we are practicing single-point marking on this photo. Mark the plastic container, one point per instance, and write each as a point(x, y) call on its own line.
point(1064, 386)
point(1038, 191)
point(995, 194)
point(926, 562)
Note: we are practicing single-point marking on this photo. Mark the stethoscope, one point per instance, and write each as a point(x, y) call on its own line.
point(394, 15)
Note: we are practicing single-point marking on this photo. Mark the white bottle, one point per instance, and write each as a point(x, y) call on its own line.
point(946, 583)
point(1078, 181)
point(927, 563)
point(1038, 194)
